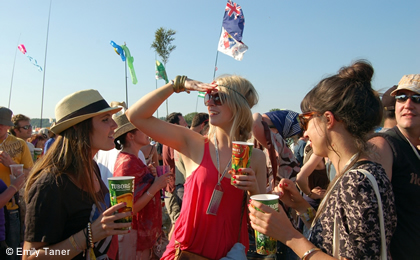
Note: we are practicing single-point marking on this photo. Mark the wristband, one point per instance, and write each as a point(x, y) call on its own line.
point(149, 194)
point(310, 251)
point(179, 84)
point(308, 215)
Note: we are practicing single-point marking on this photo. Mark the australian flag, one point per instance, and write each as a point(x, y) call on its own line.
point(230, 42)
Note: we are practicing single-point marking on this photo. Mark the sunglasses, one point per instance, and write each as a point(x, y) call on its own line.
point(26, 127)
point(403, 97)
point(304, 119)
point(216, 97)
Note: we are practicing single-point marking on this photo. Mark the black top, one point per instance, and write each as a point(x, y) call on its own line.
point(57, 209)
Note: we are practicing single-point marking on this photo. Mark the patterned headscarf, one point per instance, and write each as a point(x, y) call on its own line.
point(286, 122)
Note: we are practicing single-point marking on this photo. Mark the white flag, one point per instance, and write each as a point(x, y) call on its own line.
point(229, 46)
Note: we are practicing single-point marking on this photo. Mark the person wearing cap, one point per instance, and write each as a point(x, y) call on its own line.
point(13, 150)
point(388, 102)
point(67, 202)
point(399, 155)
point(147, 209)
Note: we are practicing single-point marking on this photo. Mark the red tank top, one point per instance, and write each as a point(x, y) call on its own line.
point(208, 235)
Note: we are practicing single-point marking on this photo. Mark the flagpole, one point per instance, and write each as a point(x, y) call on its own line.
point(13, 72)
point(45, 63)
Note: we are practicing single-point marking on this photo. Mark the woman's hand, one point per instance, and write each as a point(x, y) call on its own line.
point(162, 181)
point(245, 180)
point(195, 85)
point(317, 193)
point(152, 169)
point(290, 195)
point(270, 222)
point(104, 225)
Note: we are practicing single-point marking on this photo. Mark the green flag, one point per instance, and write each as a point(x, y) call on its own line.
point(161, 72)
point(201, 94)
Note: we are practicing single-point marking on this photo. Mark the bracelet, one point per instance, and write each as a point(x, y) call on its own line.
point(310, 194)
point(308, 215)
point(179, 84)
point(310, 251)
point(89, 226)
point(13, 186)
point(149, 194)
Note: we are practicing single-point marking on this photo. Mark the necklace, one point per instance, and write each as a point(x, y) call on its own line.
point(217, 195)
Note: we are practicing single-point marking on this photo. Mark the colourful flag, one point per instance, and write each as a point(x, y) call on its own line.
point(233, 20)
point(201, 94)
point(22, 49)
point(161, 72)
point(229, 46)
point(230, 42)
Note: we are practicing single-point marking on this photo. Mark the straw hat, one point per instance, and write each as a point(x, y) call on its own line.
point(78, 107)
point(124, 126)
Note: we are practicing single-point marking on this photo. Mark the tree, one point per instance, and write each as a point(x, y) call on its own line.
point(274, 109)
point(189, 117)
point(163, 47)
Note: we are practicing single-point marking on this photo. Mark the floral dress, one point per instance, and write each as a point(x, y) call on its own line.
point(353, 202)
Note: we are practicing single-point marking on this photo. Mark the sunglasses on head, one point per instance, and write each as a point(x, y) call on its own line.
point(304, 119)
point(26, 127)
point(403, 97)
point(216, 97)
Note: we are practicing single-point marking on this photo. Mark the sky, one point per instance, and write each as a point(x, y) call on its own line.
point(292, 46)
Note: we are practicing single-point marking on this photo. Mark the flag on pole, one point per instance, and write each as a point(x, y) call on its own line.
point(230, 42)
point(161, 72)
point(201, 94)
point(22, 49)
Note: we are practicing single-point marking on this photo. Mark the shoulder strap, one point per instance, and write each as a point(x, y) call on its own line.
point(271, 152)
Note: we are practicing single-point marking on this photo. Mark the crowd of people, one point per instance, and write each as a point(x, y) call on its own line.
point(346, 170)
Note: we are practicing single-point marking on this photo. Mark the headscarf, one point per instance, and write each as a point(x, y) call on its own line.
point(286, 122)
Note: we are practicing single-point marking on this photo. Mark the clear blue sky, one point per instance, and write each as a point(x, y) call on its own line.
point(292, 45)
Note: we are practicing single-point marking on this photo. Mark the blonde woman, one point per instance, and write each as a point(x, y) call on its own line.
point(202, 227)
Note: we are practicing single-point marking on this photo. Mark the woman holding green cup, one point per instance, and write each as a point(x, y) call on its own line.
point(67, 202)
point(350, 222)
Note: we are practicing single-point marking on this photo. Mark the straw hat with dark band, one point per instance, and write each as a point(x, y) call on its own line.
point(124, 126)
point(78, 107)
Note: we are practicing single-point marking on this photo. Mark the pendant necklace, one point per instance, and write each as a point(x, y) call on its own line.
point(217, 195)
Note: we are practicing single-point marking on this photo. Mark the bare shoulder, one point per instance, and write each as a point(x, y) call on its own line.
point(382, 153)
point(258, 156)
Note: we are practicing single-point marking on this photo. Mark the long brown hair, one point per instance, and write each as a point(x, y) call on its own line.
point(70, 154)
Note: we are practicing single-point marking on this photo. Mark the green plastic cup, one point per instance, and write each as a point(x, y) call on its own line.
point(266, 245)
point(241, 157)
point(121, 189)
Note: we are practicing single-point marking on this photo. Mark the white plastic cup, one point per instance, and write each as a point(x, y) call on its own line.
point(16, 170)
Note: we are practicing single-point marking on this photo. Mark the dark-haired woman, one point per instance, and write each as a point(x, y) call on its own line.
point(338, 114)
point(66, 212)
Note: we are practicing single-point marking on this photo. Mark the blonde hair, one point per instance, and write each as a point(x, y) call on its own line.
point(241, 96)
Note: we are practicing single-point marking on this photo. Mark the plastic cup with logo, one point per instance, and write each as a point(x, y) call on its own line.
point(16, 170)
point(37, 153)
point(264, 244)
point(241, 155)
point(121, 189)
